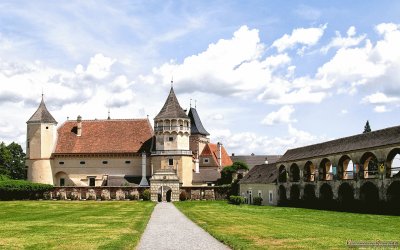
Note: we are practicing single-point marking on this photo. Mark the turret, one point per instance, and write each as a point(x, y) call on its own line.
point(199, 137)
point(172, 126)
point(39, 145)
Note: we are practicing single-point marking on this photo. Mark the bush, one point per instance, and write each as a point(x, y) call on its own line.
point(236, 200)
point(257, 201)
point(183, 196)
point(146, 195)
point(22, 190)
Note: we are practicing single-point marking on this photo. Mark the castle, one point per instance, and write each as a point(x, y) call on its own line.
point(125, 152)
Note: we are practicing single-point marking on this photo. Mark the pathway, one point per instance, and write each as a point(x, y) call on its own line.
point(168, 228)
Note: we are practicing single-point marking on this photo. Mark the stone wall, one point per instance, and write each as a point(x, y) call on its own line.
point(95, 193)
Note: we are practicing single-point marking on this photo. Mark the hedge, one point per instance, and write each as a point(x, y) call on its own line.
point(22, 190)
point(236, 200)
point(257, 201)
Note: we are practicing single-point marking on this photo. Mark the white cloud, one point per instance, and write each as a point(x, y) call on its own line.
point(304, 36)
point(344, 42)
point(259, 144)
point(283, 115)
point(99, 66)
point(229, 67)
point(379, 98)
point(381, 109)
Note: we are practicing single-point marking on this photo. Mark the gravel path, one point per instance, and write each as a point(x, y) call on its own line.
point(168, 228)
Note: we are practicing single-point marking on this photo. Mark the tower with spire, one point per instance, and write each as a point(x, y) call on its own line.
point(39, 145)
point(172, 152)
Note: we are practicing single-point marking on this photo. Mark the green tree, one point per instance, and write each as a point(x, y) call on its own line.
point(227, 172)
point(12, 161)
point(367, 128)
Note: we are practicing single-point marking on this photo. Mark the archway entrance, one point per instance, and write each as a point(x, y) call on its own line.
point(164, 194)
point(168, 195)
point(369, 195)
point(282, 195)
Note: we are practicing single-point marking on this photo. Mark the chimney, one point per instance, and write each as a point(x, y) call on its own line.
point(144, 181)
point(79, 126)
point(219, 153)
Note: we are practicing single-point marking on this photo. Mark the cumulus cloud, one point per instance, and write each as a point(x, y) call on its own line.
point(283, 115)
point(259, 144)
point(228, 67)
point(344, 42)
point(380, 98)
point(381, 109)
point(303, 36)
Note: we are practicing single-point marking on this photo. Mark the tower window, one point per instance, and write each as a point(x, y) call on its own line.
point(170, 162)
point(127, 162)
point(105, 162)
point(61, 163)
point(47, 127)
point(62, 182)
point(82, 162)
point(170, 138)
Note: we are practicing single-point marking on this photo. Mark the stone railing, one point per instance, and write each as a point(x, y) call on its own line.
point(172, 152)
point(95, 193)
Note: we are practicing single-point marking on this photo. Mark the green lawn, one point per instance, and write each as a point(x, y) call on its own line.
point(254, 227)
point(72, 224)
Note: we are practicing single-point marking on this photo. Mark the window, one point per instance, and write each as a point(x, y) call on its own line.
point(270, 197)
point(170, 138)
point(62, 182)
point(82, 162)
point(92, 181)
point(259, 193)
point(206, 160)
point(127, 162)
point(47, 127)
point(170, 162)
point(27, 143)
point(61, 163)
point(105, 162)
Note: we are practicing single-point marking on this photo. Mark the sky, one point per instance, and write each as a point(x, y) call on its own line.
point(265, 76)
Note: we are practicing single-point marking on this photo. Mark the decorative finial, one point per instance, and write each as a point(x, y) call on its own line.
point(190, 102)
point(42, 93)
point(172, 81)
point(108, 114)
point(195, 104)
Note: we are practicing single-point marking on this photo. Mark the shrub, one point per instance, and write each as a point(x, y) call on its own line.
point(183, 196)
point(131, 197)
point(22, 190)
point(257, 201)
point(236, 200)
point(146, 195)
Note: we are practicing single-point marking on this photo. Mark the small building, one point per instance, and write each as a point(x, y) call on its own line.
point(253, 159)
point(260, 181)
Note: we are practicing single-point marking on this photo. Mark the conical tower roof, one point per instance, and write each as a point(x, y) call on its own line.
point(42, 115)
point(196, 127)
point(171, 108)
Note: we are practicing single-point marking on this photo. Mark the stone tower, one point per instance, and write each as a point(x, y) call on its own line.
point(172, 155)
point(39, 146)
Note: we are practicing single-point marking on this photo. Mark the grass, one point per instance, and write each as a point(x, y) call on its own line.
point(72, 224)
point(255, 227)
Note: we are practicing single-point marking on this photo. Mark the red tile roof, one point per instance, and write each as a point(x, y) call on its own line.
point(211, 149)
point(105, 136)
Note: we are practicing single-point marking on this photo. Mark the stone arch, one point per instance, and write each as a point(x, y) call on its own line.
point(369, 165)
point(164, 194)
point(282, 177)
point(309, 193)
point(345, 168)
point(393, 194)
point(345, 194)
point(325, 192)
point(294, 193)
point(309, 172)
point(325, 170)
point(393, 163)
point(58, 179)
point(369, 194)
point(294, 173)
point(282, 195)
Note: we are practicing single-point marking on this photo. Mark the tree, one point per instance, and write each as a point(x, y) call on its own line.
point(227, 172)
point(367, 128)
point(12, 161)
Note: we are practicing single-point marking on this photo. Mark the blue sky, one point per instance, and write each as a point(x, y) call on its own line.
point(267, 75)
